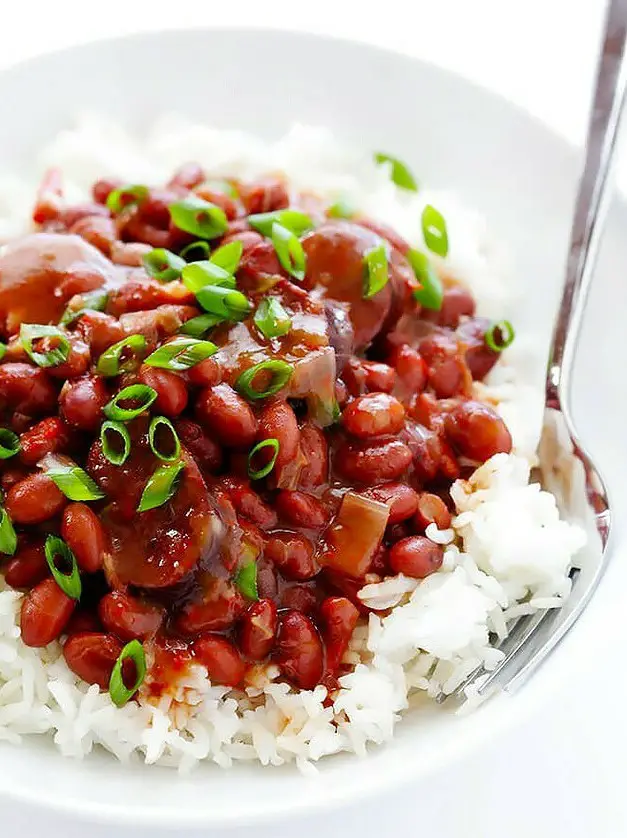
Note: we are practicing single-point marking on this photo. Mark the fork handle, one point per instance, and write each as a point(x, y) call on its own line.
point(592, 199)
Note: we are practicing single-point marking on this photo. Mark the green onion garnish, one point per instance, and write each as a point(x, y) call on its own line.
point(126, 196)
point(75, 483)
point(257, 474)
point(341, 209)
point(293, 220)
point(196, 251)
point(197, 327)
point(431, 293)
point(197, 275)
point(399, 172)
point(123, 356)
point(9, 444)
point(3, 349)
point(136, 392)
point(67, 576)
point(434, 231)
point(279, 373)
point(228, 256)
point(198, 217)
point(499, 336)
point(92, 301)
point(8, 538)
point(163, 265)
point(168, 449)
point(119, 692)
point(289, 250)
point(161, 486)
point(116, 442)
point(246, 580)
point(30, 332)
point(181, 353)
point(225, 302)
point(375, 271)
point(220, 185)
point(271, 318)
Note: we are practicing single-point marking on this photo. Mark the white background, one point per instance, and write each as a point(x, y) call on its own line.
point(563, 771)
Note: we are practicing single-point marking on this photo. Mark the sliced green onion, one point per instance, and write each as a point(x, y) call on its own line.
point(499, 336)
point(336, 412)
point(9, 444)
point(92, 301)
point(196, 275)
point(198, 217)
point(293, 220)
point(163, 265)
point(399, 173)
point(279, 372)
point(376, 274)
point(225, 302)
point(116, 442)
point(257, 474)
point(196, 251)
point(8, 538)
point(220, 185)
point(271, 318)
point(30, 332)
point(341, 209)
point(66, 577)
point(119, 692)
point(3, 349)
point(289, 250)
point(181, 353)
point(136, 392)
point(173, 442)
point(246, 580)
point(123, 356)
point(228, 256)
point(434, 230)
point(431, 293)
point(75, 483)
point(197, 327)
point(161, 486)
point(126, 196)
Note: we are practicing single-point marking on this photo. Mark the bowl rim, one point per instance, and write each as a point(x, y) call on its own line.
point(505, 710)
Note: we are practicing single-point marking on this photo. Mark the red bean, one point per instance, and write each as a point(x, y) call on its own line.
point(221, 606)
point(203, 449)
point(259, 262)
point(34, 500)
point(368, 376)
point(84, 535)
point(477, 431)
point(99, 331)
point(301, 510)
point(293, 555)
point(92, 656)
point(457, 302)
point(410, 367)
point(205, 374)
point(27, 389)
point(46, 437)
point(299, 598)
point(28, 567)
point(83, 620)
point(220, 199)
point(431, 510)
point(401, 499)
point(77, 362)
point(248, 503)
point(479, 357)
point(298, 650)
point(277, 420)
point(447, 369)
point(267, 584)
point(264, 195)
point(97, 230)
point(415, 556)
point(11, 476)
point(70, 215)
point(258, 629)
point(374, 415)
point(227, 416)
point(338, 617)
point(187, 176)
point(129, 617)
point(103, 188)
point(170, 387)
point(46, 611)
point(372, 463)
point(81, 402)
point(224, 663)
point(315, 450)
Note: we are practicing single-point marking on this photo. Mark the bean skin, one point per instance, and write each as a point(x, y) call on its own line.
point(34, 500)
point(374, 415)
point(339, 617)
point(258, 630)
point(129, 617)
point(46, 437)
point(265, 195)
point(477, 431)
point(415, 556)
point(223, 661)
point(203, 449)
point(84, 534)
point(277, 420)
point(401, 499)
point(300, 509)
point(226, 415)
point(81, 402)
point(222, 605)
point(315, 450)
point(170, 388)
point(298, 650)
point(92, 656)
point(28, 567)
point(27, 389)
point(376, 462)
point(293, 555)
point(431, 510)
point(46, 611)
point(248, 503)
point(410, 367)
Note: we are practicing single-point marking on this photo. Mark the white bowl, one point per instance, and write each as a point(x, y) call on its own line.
point(457, 136)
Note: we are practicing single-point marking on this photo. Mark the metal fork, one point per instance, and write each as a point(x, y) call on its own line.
point(565, 467)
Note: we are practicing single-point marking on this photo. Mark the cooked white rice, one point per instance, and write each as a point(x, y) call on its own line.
point(507, 552)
